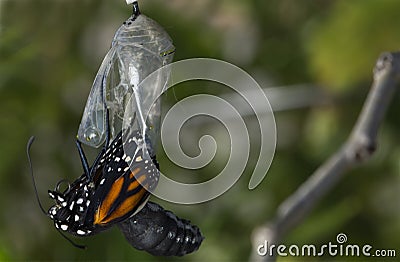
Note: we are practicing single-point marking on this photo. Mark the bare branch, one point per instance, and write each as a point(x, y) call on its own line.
point(358, 148)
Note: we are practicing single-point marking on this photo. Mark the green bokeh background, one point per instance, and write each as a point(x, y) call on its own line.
point(51, 50)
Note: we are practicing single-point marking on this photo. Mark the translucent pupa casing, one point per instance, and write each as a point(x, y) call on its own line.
point(140, 47)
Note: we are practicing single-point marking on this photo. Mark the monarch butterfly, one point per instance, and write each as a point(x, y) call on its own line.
point(112, 190)
point(115, 190)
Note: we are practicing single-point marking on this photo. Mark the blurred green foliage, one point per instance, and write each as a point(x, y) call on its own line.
point(345, 45)
point(49, 54)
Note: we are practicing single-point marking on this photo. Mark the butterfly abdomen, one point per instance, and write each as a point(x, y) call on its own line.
point(161, 233)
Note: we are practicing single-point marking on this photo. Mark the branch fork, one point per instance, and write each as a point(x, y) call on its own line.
point(359, 147)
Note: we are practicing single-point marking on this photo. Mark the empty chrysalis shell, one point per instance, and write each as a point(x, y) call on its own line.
point(140, 47)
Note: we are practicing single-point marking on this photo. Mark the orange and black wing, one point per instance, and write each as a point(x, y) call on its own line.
point(124, 183)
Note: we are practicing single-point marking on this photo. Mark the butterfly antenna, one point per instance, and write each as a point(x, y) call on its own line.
point(28, 148)
point(72, 242)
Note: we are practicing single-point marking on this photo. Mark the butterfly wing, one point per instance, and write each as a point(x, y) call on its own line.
point(123, 183)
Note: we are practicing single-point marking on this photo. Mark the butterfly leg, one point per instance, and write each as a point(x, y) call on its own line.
point(88, 171)
point(83, 158)
point(106, 144)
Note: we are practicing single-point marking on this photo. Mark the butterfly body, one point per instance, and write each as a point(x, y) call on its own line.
point(160, 232)
point(115, 189)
